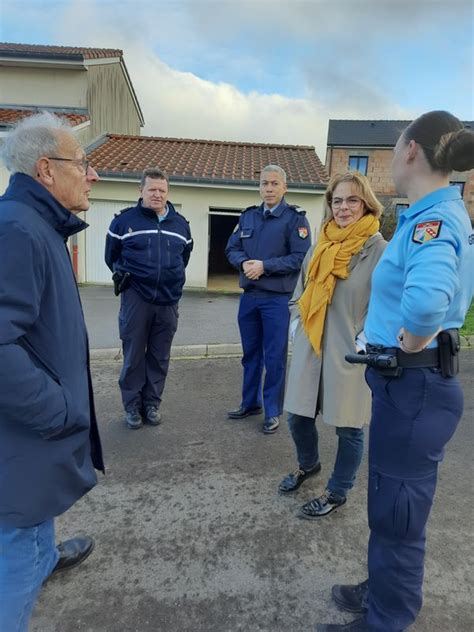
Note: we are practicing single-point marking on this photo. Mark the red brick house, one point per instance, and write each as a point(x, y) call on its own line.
point(367, 146)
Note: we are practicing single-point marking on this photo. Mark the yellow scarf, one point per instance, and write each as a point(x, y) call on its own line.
point(330, 261)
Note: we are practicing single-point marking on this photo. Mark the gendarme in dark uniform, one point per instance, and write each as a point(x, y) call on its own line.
point(148, 248)
point(268, 247)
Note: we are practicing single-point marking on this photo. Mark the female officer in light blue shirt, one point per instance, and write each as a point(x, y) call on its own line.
point(423, 285)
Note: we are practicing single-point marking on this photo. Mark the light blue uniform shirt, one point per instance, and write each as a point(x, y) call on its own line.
point(165, 215)
point(424, 286)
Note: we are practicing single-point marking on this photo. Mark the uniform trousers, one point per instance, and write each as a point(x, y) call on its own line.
point(146, 331)
point(263, 323)
point(413, 418)
point(27, 557)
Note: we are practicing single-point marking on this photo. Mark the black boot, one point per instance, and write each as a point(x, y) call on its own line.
point(359, 625)
point(351, 597)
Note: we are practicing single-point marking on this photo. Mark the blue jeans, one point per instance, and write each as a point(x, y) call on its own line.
point(27, 557)
point(349, 452)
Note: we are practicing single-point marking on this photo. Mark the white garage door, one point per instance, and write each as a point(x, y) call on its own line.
point(99, 217)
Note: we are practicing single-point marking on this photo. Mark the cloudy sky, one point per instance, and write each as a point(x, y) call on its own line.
point(269, 70)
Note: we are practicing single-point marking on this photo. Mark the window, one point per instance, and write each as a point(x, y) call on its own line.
point(459, 185)
point(399, 208)
point(358, 163)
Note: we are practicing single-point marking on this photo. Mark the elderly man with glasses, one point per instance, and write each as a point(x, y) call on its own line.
point(49, 441)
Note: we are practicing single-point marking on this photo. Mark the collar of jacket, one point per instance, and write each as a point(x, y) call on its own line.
point(278, 210)
point(25, 189)
point(149, 212)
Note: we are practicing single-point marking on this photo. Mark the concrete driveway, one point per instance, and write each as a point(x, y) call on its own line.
point(192, 536)
point(204, 317)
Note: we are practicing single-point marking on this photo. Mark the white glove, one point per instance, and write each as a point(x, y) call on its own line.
point(292, 330)
point(361, 342)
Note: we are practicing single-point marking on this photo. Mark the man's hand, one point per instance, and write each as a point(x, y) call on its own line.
point(253, 269)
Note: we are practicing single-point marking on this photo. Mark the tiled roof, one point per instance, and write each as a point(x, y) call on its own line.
point(40, 51)
point(10, 116)
point(205, 160)
point(368, 133)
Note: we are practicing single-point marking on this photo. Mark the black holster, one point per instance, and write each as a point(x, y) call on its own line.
point(449, 345)
point(121, 281)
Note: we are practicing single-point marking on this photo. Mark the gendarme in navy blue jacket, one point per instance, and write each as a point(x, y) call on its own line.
point(154, 253)
point(49, 442)
point(280, 240)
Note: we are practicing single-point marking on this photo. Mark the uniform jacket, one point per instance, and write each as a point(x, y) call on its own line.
point(154, 253)
point(344, 395)
point(425, 280)
point(280, 240)
point(49, 442)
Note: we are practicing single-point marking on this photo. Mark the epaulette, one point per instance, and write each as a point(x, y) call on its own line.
point(298, 209)
point(124, 210)
point(182, 216)
point(250, 208)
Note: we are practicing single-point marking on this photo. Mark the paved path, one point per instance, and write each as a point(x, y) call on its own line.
point(205, 317)
point(192, 536)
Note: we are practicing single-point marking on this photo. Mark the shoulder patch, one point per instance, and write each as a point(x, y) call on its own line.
point(426, 231)
point(302, 232)
point(124, 210)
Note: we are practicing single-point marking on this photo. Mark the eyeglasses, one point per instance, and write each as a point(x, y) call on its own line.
point(85, 164)
point(352, 202)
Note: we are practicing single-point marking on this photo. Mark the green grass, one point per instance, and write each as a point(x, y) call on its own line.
point(468, 327)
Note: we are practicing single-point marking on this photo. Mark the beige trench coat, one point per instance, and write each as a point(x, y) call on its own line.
point(343, 393)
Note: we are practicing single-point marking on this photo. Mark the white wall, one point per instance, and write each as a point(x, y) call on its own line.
point(43, 86)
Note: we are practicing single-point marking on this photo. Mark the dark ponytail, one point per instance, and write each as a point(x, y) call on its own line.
point(447, 144)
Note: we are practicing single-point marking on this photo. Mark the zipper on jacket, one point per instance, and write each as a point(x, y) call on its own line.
point(158, 266)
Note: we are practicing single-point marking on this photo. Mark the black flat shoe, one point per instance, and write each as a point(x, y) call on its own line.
point(72, 553)
point(320, 507)
point(295, 479)
point(241, 412)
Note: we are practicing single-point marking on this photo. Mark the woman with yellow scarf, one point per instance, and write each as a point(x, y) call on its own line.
point(328, 310)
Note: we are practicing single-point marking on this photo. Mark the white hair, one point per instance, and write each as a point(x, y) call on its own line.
point(31, 138)
point(276, 169)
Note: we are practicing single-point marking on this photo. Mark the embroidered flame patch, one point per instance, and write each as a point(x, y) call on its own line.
point(426, 231)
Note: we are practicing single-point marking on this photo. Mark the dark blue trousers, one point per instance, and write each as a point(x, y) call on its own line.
point(263, 323)
point(349, 451)
point(146, 331)
point(413, 418)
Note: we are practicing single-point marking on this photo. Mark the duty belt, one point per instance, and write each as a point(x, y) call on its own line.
point(426, 359)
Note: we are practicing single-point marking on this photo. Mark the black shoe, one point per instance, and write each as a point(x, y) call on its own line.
point(241, 412)
point(133, 419)
point(352, 598)
point(152, 416)
point(295, 479)
point(320, 507)
point(359, 625)
point(72, 553)
point(271, 425)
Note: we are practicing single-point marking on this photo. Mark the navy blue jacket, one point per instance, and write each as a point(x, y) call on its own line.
point(154, 253)
point(280, 240)
point(49, 442)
